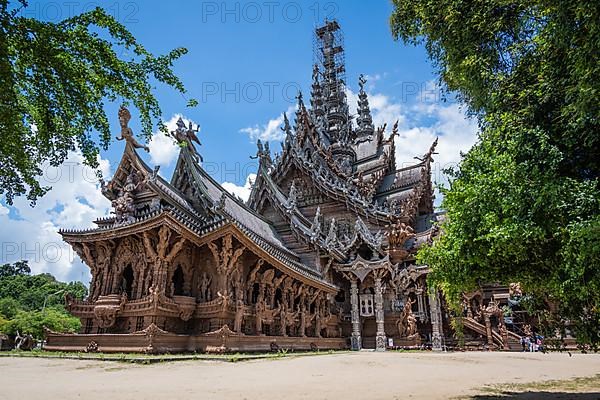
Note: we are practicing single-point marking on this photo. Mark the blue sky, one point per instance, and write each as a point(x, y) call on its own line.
point(246, 61)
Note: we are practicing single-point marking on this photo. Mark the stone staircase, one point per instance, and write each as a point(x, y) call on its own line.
point(514, 340)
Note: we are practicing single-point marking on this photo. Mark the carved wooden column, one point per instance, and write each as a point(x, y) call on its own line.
point(436, 321)
point(488, 329)
point(226, 261)
point(504, 334)
point(355, 340)
point(380, 339)
point(421, 304)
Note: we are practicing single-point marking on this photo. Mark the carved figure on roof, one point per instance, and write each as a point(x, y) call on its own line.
point(286, 127)
point(299, 98)
point(126, 132)
point(428, 156)
point(185, 135)
point(361, 82)
point(263, 153)
point(346, 165)
point(293, 194)
point(124, 209)
point(332, 238)
point(220, 205)
point(316, 224)
point(379, 134)
point(394, 133)
point(108, 189)
point(398, 233)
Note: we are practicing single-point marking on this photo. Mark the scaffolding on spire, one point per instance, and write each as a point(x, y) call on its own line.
point(329, 58)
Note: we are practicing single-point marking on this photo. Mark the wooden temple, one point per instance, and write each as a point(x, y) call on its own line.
point(321, 256)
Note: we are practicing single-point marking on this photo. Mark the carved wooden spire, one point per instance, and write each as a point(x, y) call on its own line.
point(364, 119)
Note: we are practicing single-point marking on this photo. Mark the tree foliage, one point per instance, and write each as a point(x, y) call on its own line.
point(56, 78)
point(23, 297)
point(18, 268)
point(524, 203)
point(34, 322)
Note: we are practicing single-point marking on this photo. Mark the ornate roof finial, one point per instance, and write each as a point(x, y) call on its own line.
point(288, 133)
point(186, 135)
point(126, 132)
point(361, 82)
point(300, 101)
point(428, 156)
point(364, 119)
point(263, 153)
point(332, 238)
point(293, 194)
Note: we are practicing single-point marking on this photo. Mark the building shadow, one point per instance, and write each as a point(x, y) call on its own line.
point(537, 395)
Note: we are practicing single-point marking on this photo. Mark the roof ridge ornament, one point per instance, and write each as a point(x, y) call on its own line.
point(428, 157)
point(364, 119)
point(185, 135)
point(263, 153)
point(332, 237)
point(126, 131)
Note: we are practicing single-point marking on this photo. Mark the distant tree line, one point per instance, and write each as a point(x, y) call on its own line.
point(28, 303)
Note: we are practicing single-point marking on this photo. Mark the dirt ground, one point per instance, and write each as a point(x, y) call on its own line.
point(361, 375)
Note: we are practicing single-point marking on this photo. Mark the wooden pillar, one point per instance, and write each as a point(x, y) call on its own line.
point(436, 321)
point(488, 330)
point(380, 339)
point(355, 340)
point(503, 332)
point(421, 304)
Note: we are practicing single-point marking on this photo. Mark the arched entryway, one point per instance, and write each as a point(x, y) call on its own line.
point(178, 282)
point(127, 281)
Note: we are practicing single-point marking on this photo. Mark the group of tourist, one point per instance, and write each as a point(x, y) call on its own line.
point(532, 343)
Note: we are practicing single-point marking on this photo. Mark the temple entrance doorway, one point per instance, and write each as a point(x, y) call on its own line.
point(127, 284)
point(369, 332)
point(178, 280)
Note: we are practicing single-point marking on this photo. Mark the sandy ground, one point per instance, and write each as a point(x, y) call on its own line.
point(362, 375)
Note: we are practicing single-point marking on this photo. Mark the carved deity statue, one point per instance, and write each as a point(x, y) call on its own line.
point(123, 204)
point(126, 132)
point(398, 233)
point(204, 287)
point(332, 236)
point(407, 324)
point(186, 135)
point(293, 194)
point(515, 291)
point(259, 311)
point(240, 310)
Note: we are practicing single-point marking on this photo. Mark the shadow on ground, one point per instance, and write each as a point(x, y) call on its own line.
point(536, 395)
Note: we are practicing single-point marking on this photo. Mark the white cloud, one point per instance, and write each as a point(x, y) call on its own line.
point(455, 132)
point(418, 126)
point(271, 130)
point(163, 148)
point(241, 191)
point(31, 233)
